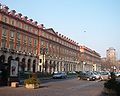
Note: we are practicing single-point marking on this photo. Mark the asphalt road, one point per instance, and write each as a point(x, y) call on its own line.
point(62, 87)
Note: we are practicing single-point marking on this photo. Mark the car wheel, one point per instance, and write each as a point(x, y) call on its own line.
point(101, 79)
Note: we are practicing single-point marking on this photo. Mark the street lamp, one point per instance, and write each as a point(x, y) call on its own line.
point(43, 51)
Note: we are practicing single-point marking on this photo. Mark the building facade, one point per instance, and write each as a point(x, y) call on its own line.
point(111, 55)
point(18, 39)
point(111, 58)
point(35, 48)
point(89, 59)
point(61, 52)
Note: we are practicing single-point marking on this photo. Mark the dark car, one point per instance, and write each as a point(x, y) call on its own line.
point(87, 76)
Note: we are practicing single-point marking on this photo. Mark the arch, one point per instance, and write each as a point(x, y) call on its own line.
point(54, 66)
point(28, 64)
point(57, 66)
point(22, 65)
point(17, 59)
point(34, 65)
point(9, 59)
point(50, 66)
point(2, 59)
point(46, 65)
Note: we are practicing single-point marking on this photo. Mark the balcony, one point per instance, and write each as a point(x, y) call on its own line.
point(19, 52)
point(4, 49)
point(12, 51)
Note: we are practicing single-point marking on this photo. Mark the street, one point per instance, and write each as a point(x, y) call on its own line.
point(62, 87)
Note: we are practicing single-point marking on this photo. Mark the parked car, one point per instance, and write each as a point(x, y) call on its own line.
point(97, 75)
point(87, 76)
point(105, 75)
point(117, 74)
point(59, 75)
point(81, 74)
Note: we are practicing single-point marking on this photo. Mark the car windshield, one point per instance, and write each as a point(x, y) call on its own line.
point(104, 73)
point(57, 73)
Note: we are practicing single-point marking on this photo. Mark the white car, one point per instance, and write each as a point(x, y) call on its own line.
point(59, 75)
point(117, 74)
point(105, 75)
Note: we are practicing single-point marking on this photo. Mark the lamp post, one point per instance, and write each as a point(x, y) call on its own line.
point(43, 51)
point(84, 65)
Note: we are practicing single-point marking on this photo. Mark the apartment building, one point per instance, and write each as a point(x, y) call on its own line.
point(18, 39)
point(34, 47)
point(90, 59)
point(61, 53)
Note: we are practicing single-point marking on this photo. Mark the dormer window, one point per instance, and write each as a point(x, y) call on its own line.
point(25, 18)
point(19, 15)
point(12, 12)
point(5, 8)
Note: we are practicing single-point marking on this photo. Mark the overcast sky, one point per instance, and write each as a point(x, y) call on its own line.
point(93, 23)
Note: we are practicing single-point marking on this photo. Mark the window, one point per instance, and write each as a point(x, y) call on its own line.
point(50, 37)
point(24, 39)
point(29, 41)
point(53, 38)
point(18, 45)
point(40, 60)
point(25, 27)
point(12, 22)
point(18, 36)
point(4, 42)
point(43, 33)
point(11, 34)
point(30, 29)
point(36, 32)
point(35, 43)
point(4, 35)
point(4, 32)
point(42, 42)
point(11, 44)
point(19, 24)
point(46, 35)
point(5, 19)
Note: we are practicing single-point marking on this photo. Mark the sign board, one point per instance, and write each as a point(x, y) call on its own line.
point(14, 68)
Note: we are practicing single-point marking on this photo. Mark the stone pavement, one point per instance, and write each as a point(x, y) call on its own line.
point(72, 87)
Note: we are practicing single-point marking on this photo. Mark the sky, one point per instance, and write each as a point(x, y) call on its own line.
point(92, 23)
